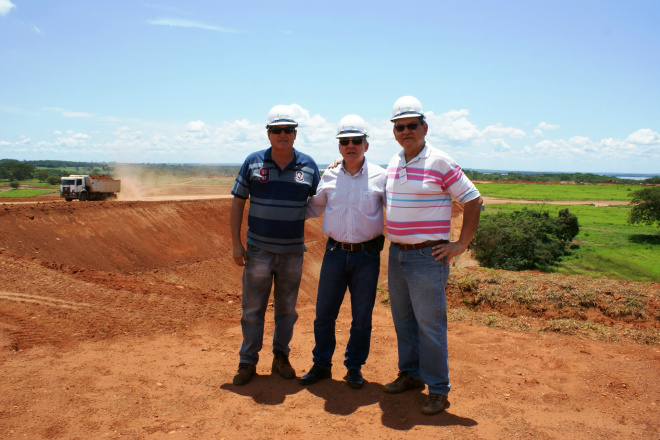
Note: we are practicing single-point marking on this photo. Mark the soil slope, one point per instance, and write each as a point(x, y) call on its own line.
point(121, 320)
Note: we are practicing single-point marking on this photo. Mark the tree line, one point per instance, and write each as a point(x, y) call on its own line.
point(11, 169)
point(46, 170)
point(555, 177)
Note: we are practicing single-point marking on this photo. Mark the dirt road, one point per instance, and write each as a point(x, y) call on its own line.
point(121, 320)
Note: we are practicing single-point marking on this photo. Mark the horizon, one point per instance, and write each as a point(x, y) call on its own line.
point(543, 85)
point(323, 165)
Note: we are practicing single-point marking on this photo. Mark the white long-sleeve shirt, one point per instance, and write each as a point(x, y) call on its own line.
point(352, 205)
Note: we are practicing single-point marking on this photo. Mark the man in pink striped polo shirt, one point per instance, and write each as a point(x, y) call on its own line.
point(421, 183)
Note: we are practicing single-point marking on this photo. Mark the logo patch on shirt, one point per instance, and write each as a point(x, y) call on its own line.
point(264, 174)
point(299, 176)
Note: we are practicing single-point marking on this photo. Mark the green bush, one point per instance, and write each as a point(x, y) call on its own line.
point(42, 175)
point(524, 240)
point(646, 207)
point(15, 184)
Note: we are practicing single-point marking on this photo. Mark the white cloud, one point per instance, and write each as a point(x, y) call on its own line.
point(70, 114)
point(196, 126)
point(5, 7)
point(645, 136)
point(500, 146)
point(499, 130)
point(544, 126)
point(452, 125)
point(642, 145)
point(72, 139)
point(494, 147)
point(182, 22)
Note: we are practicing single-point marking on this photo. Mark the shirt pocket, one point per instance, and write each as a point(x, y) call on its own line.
point(370, 203)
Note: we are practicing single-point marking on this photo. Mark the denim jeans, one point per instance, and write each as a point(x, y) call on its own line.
point(357, 270)
point(419, 310)
point(262, 270)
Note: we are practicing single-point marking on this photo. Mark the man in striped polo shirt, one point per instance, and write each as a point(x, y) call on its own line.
point(421, 183)
point(278, 182)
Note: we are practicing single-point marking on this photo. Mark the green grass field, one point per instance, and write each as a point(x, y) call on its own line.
point(26, 192)
point(609, 246)
point(556, 191)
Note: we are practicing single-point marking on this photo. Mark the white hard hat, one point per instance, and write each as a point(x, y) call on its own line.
point(281, 115)
point(350, 126)
point(407, 107)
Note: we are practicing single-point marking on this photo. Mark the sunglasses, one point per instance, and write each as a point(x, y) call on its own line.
point(412, 126)
point(345, 141)
point(279, 130)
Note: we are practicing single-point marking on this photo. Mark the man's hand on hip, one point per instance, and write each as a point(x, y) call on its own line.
point(449, 250)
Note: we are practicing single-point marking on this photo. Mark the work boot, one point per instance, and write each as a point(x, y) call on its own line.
point(315, 374)
point(354, 378)
point(244, 374)
point(402, 383)
point(282, 366)
point(435, 403)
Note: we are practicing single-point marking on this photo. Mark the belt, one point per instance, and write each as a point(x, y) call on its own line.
point(408, 247)
point(376, 243)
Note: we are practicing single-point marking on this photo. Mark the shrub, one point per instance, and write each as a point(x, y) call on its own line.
point(568, 225)
point(524, 240)
point(42, 175)
point(15, 184)
point(646, 206)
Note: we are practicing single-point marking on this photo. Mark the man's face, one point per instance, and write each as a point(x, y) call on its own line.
point(410, 139)
point(353, 151)
point(279, 138)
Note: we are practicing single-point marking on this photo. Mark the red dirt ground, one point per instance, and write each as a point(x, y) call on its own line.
point(121, 320)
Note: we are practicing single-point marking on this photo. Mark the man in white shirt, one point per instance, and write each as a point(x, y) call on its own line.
point(351, 196)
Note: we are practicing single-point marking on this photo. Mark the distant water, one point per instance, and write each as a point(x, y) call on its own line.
point(631, 176)
point(635, 177)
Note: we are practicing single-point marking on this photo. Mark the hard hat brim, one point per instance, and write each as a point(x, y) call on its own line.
point(282, 122)
point(351, 134)
point(407, 115)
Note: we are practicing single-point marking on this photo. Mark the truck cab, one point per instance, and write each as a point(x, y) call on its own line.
point(71, 187)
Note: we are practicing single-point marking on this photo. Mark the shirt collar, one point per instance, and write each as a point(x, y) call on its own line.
point(364, 165)
point(422, 155)
point(268, 156)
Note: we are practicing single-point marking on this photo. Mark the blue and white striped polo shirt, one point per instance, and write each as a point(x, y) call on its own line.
point(276, 218)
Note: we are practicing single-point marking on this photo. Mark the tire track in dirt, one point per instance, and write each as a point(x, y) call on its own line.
point(41, 300)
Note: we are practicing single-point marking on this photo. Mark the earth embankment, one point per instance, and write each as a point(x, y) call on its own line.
point(121, 320)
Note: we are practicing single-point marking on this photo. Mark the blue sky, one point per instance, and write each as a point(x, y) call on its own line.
point(512, 85)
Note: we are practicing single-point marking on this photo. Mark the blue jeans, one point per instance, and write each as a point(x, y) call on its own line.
point(419, 310)
point(262, 270)
point(357, 270)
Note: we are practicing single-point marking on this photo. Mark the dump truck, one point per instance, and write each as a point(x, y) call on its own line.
point(85, 187)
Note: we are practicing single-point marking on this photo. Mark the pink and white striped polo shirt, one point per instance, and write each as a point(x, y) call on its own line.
point(419, 195)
